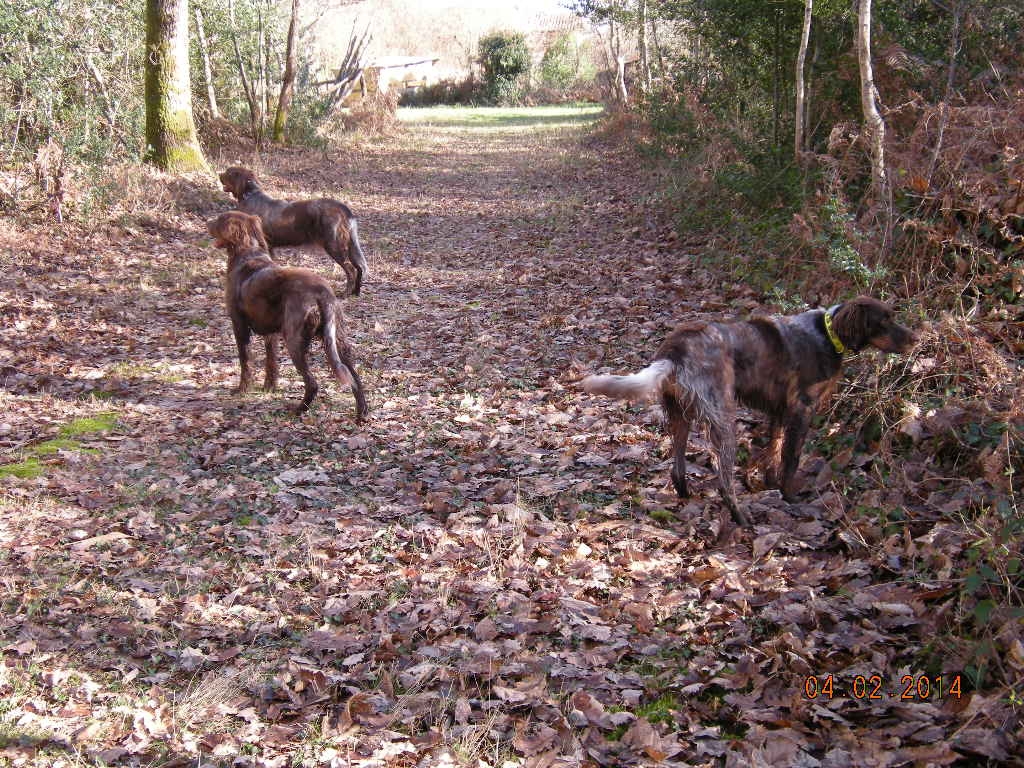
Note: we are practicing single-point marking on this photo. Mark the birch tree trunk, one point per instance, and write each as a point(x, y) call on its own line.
point(800, 121)
point(284, 101)
point(204, 50)
point(615, 44)
point(641, 44)
point(172, 143)
point(868, 98)
point(261, 74)
point(243, 75)
point(657, 46)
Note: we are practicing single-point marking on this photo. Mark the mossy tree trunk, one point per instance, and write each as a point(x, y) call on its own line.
point(284, 101)
point(171, 138)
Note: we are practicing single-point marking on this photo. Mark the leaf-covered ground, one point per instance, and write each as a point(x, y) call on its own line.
point(493, 567)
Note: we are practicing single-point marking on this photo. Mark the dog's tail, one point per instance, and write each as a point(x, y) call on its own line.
point(329, 311)
point(643, 385)
point(355, 249)
point(338, 353)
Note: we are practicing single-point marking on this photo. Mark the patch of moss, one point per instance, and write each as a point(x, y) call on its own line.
point(660, 710)
point(31, 467)
point(101, 422)
point(662, 516)
point(28, 468)
point(51, 447)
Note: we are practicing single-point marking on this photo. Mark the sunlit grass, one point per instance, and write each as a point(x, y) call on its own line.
point(503, 118)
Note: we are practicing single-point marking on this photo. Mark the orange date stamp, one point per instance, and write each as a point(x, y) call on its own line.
point(873, 687)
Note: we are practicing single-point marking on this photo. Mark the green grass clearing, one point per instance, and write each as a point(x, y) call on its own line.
point(503, 118)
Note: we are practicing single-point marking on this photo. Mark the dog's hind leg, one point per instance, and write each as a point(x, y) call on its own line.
point(343, 246)
point(345, 353)
point(679, 420)
point(721, 417)
point(333, 247)
point(772, 458)
point(297, 341)
point(270, 343)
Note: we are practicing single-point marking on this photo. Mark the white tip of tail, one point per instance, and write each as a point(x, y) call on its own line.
point(643, 385)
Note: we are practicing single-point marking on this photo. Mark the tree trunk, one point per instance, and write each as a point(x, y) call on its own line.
point(261, 74)
point(800, 121)
point(777, 84)
point(641, 44)
point(657, 47)
point(868, 98)
point(615, 44)
point(284, 101)
point(243, 75)
point(204, 50)
point(171, 138)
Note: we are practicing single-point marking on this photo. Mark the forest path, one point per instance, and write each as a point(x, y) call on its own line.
point(492, 566)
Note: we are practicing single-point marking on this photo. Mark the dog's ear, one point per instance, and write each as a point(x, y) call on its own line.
point(229, 231)
point(853, 321)
point(255, 226)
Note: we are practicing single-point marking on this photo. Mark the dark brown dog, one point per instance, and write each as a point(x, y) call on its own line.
point(323, 222)
point(783, 366)
point(274, 301)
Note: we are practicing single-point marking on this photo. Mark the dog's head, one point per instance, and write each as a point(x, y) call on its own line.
point(865, 321)
point(235, 180)
point(237, 232)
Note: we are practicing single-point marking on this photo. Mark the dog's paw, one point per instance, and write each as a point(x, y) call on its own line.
point(679, 483)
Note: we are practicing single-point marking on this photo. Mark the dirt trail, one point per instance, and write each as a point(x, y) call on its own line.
point(493, 566)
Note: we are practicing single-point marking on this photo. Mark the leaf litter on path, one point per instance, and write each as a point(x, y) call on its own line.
point(492, 568)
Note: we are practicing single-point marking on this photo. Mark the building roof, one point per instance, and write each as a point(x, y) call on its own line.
point(387, 62)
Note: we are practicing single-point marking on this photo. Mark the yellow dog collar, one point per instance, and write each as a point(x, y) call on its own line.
point(832, 336)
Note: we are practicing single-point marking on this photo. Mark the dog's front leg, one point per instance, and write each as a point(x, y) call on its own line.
point(773, 454)
point(270, 342)
point(243, 335)
point(798, 421)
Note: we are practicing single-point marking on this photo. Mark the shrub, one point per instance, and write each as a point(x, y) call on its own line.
point(505, 59)
point(560, 65)
point(447, 91)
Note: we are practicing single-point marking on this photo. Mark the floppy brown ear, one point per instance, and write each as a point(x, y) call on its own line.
point(853, 324)
point(232, 231)
point(256, 232)
point(242, 178)
point(858, 321)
